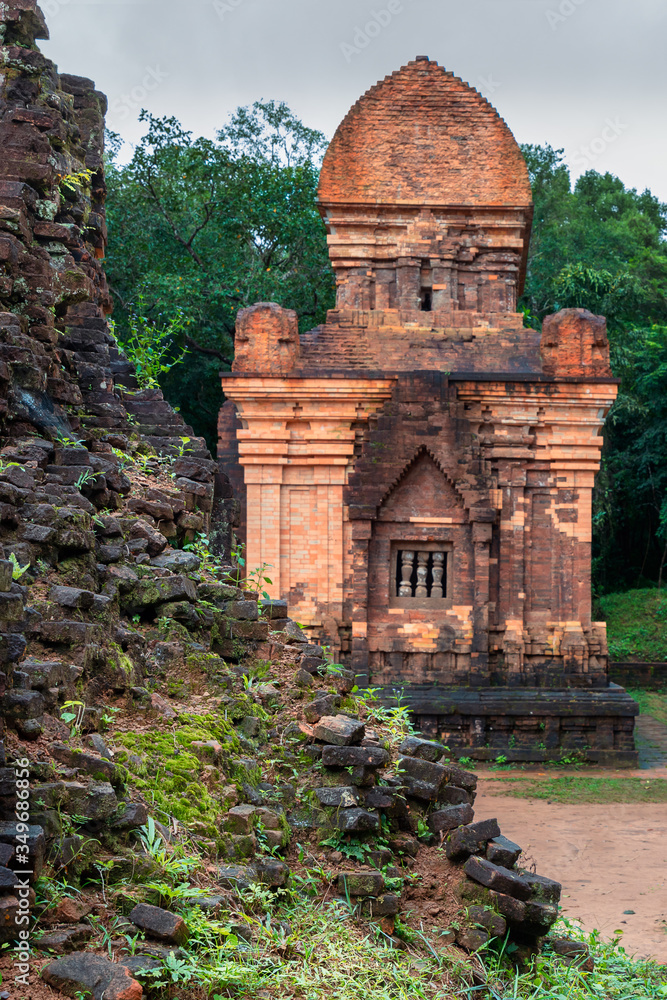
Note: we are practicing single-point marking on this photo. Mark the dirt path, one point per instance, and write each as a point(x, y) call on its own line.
point(610, 858)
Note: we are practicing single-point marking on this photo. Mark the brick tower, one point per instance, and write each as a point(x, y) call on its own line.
point(418, 471)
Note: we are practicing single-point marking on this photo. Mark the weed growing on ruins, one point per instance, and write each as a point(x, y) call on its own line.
point(152, 347)
point(73, 717)
point(72, 184)
point(201, 546)
point(17, 569)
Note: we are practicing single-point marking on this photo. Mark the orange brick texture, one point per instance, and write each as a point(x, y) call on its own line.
point(423, 413)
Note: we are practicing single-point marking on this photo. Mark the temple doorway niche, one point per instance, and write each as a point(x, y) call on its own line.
point(419, 578)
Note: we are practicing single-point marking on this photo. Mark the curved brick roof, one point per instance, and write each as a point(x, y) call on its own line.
point(424, 137)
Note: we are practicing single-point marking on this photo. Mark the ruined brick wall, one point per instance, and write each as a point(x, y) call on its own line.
point(72, 416)
point(474, 468)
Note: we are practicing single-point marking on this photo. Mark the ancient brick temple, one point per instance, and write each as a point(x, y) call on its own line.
point(418, 471)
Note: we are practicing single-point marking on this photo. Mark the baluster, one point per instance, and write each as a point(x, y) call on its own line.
point(422, 571)
point(438, 590)
point(407, 562)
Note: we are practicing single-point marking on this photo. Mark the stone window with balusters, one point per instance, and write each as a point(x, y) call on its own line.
point(420, 575)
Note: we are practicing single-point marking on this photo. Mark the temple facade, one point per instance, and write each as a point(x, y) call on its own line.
point(418, 471)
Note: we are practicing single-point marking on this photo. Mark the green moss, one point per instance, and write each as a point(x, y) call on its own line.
point(636, 624)
point(170, 775)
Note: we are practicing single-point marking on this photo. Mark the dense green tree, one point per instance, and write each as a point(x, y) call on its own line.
point(199, 228)
point(602, 246)
point(598, 245)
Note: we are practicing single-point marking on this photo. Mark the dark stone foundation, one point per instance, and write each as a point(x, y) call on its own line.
point(536, 725)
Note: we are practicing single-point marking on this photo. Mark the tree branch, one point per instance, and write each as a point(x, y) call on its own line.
point(194, 346)
point(186, 244)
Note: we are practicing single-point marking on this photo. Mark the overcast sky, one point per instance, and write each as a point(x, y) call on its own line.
point(586, 75)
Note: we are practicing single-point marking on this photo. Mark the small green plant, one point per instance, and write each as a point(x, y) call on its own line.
point(67, 442)
point(71, 184)
point(76, 717)
point(87, 476)
point(423, 828)
point(109, 716)
point(152, 346)
point(201, 546)
point(17, 570)
point(256, 579)
point(351, 848)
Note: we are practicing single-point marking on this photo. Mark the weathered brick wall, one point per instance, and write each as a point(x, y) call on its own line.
point(426, 198)
point(71, 412)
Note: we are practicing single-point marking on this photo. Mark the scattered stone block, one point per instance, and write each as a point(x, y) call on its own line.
point(8, 879)
point(460, 778)
point(490, 921)
point(321, 706)
point(236, 876)
point(242, 610)
point(311, 664)
point(568, 947)
point(512, 909)
point(472, 938)
point(342, 796)
point(65, 939)
point(403, 843)
point(542, 890)
point(386, 905)
point(422, 778)
point(339, 730)
point(540, 916)
point(470, 839)
point(9, 911)
point(335, 756)
point(272, 872)
point(356, 820)
point(413, 746)
point(71, 597)
point(273, 609)
point(241, 819)
point(503, 852)
point(177, 561)
point(34, 838)
point(159, 923)
point(390, 800)
point(71, 911)
point(453, 795)
point(496, 877)
point(134, 815)
point(87, 763)
point(360, 883)
point(268, 694)
point(444, 820)
point(83, 971)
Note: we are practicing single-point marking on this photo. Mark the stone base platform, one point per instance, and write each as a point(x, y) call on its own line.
point(529, 724)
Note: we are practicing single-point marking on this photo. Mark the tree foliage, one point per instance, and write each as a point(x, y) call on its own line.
point(601, 246)
point(199, 228)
